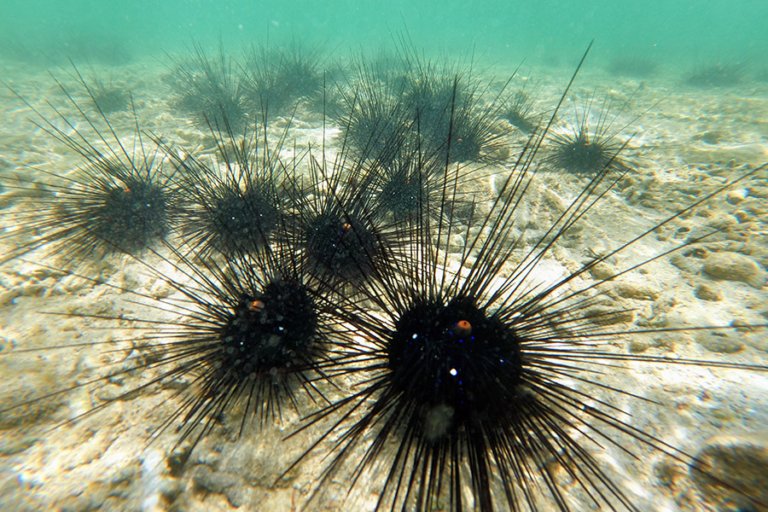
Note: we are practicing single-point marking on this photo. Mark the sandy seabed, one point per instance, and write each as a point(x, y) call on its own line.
point(686, 143)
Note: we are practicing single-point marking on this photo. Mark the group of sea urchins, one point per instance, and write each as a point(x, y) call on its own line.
point(361, 285)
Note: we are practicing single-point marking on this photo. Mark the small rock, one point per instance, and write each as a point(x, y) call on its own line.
point(219, 482)
point(706, 292)
point(663, 342)
point(7, 343)
point(736, 196)
point(732, 471)
point(668, 475)
point(742, 216)
point(719, 342)
point(501, 152)
point(636, 291)
point(603, 271)
point(686, 263)
point(9, 297)
point(177, 461)
point(732, 266)
point(638, 346)
point(602, 315)
point(710, 137)
point(758, 191)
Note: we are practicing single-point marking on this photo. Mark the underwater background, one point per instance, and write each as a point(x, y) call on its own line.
point(678, 89)
point(680, 33)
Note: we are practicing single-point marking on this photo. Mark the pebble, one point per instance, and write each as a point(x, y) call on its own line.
point(640, 345)
point(636, 291)
point(708, 293)
point(710, 136)
point(732, 266)
point(8, 298)
point(603, 271)
point(736, 196)
point(219, 482)
point(603, 315)
point(719, 342)
point(740, 462)
point(758, 191)
point(38, 379)
point(686, 263)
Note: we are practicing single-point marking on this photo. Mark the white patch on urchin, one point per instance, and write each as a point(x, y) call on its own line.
point(437, 421)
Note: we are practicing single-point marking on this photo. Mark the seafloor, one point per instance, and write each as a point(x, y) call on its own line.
point(685, 143)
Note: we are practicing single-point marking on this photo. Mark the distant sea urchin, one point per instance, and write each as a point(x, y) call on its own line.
point(343, 238)
point(212, 90)
point(588, 146)
point(232, 200)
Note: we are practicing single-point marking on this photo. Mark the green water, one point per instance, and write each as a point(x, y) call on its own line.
point(678, 31)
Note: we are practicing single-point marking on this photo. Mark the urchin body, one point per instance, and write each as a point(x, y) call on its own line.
point(456, 361)
point(269, 331)
point(117, 200)
point(129, 215)
point(211, 91)
point(232, 220)
point(341, 246)
point(400, 193)
point(582, 153)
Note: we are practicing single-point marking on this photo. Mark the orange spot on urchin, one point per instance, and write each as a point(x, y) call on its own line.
point(256, 305)
point(463, 328)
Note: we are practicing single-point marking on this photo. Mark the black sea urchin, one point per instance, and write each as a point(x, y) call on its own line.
point(411, 185)
point(718, 74)
point(588, 147)
point(418, 104)
point(276, 80)
point(480, 389)
point(232, 201)
point(262, 335)
point(454, 117)
point(343, 238)
point(402, 185)
point(210, 89)
point(119, 199)
point(239, 341)
point(519, 111)
point(376, 123)
point(106, 96)
point(637, 66)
